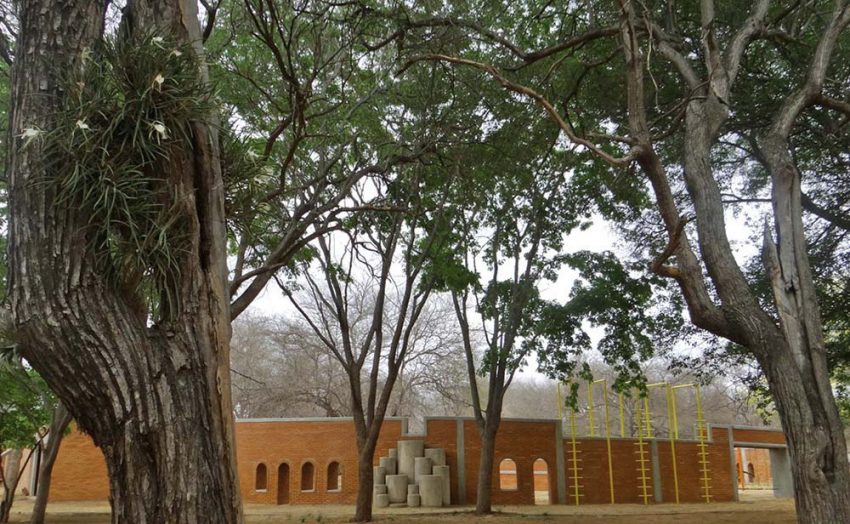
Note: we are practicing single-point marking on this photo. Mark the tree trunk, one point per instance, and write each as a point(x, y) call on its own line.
point(365, 478)
point(155, 397)
point(484, 491)
point(815, 442)
point(58, 425)
point(11, 473)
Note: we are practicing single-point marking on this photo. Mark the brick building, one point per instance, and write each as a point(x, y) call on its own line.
point(314, 461)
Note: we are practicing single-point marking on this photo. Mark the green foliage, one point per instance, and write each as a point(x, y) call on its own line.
point(26, 405)
point(112, 152)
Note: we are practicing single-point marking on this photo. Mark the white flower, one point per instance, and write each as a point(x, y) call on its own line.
point(158, 80)
point(160, 128)
point(175, 53)
point(157, 40)
point(82, 125)
point(31, 132)
point(252, 155)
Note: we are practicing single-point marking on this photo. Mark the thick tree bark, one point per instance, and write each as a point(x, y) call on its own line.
point(154, 398)
point(50, 450)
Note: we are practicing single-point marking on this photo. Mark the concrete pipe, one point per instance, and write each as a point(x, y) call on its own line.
point(437, 456)
point(421, 466)
point(413, 489)
point(413, 500)
point(443, 472)
point(380, 489)
point(379, 475)
point(397, 488)
point(382, 501)
point(407, 451)
point(389, 464)
point(394, 453)
point(431, 491)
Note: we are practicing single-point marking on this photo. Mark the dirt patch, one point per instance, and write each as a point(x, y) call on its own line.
point(766, 511)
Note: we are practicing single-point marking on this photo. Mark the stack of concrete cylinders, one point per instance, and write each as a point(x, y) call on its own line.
point(421, 466)
point(397, 488)
point(413, 499)
point(437, 456)
point(431, 491)
point(389, 464)
point(443, 472)
point(408, 450)
point(379, 475)
point(382, 500)
point(394, 453)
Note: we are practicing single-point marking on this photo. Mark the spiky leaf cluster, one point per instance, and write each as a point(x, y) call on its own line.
point(124, 131)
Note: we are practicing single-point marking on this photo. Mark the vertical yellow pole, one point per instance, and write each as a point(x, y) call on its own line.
point(622, 415)
point(590, 418)
point(670, 419)
point(608, 441)
point(674, 421)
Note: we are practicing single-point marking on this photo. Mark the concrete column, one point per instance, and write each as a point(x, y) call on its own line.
point(560, 465)
point(393, 453)
point(437, 456)
point(657, 490)
point(414, 500)
point(461, 464)
point(380, 489)
point(407, 451)
point(443, 471)
point(780, 470)
point(431, 491)
point(421, 466)
point(413, 489)
point(733, 465)
point(397, 488)
point(379, 475)
point(382, 501)
point(389, 464)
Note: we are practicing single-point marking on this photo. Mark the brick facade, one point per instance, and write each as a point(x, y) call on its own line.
point(296, 457)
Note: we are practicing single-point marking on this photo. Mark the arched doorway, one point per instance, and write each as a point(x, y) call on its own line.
point(541, 482)
point(283, 484)
point(507, 475)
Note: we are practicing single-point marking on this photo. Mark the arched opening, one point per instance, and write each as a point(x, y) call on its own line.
point(334, 477)
point(541, 482)
point(308, 477)
point(751, 473)
point(261, 480)
point(507, 475)
point(283, 484)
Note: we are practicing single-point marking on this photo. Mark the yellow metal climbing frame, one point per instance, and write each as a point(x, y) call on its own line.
point(642, 458)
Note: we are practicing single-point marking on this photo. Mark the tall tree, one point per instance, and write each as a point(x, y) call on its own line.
point(386, 252)
point(117, 248)
point(678, 66)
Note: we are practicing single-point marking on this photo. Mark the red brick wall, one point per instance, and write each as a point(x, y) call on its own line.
point(80, 472)
point(521, 441)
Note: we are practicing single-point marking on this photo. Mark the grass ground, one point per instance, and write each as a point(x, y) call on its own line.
point(753, 509)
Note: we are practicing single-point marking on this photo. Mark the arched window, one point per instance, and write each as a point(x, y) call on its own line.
point(308, 477)
point(334, 477)
point(751, 472)
point(283, 484)
point(507, 475)
point(261, 481)
point(541, 482)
